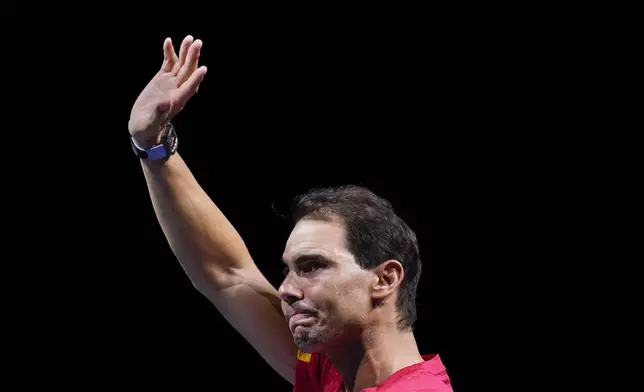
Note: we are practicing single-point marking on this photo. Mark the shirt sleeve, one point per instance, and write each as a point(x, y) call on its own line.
point(315, 373)
point(306, 373)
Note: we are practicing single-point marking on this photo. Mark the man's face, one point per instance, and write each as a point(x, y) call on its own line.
point(325, 295)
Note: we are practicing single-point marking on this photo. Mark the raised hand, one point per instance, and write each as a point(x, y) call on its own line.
point(168, 91)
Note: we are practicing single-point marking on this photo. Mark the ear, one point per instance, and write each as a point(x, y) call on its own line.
point(388, 276)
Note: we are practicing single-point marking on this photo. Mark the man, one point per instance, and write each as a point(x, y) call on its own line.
point(352, 264)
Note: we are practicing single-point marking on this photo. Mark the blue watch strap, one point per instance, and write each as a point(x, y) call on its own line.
point(155, 153)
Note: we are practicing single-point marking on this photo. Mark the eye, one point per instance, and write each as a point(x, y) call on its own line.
point(311, 266)
point(285, 270)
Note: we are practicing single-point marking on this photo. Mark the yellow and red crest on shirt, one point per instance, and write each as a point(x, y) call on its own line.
point(304, 357)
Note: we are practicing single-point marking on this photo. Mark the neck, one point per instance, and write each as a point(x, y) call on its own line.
point(370, 360)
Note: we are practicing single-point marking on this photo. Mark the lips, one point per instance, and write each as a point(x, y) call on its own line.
point(300, 319)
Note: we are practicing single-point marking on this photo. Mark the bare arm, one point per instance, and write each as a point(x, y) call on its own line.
point(217, 261)
point(206, 244)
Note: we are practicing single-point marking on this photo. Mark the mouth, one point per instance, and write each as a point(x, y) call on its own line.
point(300, 320)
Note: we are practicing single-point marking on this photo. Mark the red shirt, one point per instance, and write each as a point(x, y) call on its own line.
point(315, 373)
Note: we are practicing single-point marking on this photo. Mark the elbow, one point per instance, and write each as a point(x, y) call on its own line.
point(212, 278)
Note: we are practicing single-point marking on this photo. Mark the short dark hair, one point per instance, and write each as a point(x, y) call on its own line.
point(375, 234)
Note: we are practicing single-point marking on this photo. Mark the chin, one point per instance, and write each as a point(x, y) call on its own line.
point(311, 347)
point(309, 340)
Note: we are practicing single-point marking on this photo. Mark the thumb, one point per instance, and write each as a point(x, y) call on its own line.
point(164, 106)
point(163, 111)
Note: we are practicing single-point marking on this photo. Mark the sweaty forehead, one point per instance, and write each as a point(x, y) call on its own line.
point(318, 237)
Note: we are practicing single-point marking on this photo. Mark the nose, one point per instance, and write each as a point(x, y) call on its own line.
point(288, 292)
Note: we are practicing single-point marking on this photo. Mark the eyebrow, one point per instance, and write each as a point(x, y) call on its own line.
point(308, 257)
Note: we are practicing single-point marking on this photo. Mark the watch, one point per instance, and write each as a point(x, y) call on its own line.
point(167, 147)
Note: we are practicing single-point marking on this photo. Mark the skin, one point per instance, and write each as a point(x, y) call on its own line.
point(352, 311)
point(325, 280)
point(335, 307)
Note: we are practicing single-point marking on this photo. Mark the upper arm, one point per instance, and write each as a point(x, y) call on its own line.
point(252, 306)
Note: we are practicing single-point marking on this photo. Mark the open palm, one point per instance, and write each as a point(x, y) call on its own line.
point(168, 91)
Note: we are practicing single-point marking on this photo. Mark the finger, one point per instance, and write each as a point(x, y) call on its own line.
point(183, 51)
point(190, 87)
point(191, 62)
point(169, 57)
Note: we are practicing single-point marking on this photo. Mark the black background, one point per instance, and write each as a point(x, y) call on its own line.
point(516, 194)
point(522, 186)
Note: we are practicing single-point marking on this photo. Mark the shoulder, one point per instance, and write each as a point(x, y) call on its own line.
point(428, 376)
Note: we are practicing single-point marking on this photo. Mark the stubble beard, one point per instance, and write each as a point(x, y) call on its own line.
point(313, 339)
point(308, 340)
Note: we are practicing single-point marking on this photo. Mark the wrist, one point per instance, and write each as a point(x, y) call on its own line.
point(155, 147)
point(147, 141)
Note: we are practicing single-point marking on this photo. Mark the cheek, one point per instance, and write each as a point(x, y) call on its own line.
point(357, 298)
point(347, 300)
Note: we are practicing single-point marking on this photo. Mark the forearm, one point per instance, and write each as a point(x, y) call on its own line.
point(201, 237)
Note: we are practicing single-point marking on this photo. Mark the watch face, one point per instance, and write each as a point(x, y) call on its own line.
point(171, 140)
